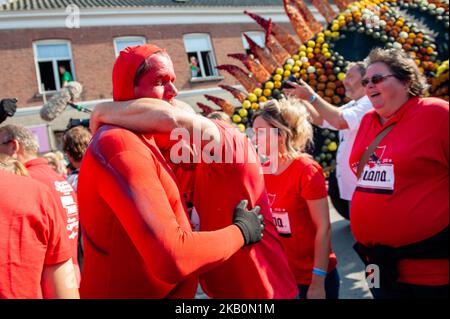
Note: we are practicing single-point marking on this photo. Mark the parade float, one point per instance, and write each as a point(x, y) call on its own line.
point(319, 54)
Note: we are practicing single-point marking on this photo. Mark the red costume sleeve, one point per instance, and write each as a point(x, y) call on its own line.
point(145, 210)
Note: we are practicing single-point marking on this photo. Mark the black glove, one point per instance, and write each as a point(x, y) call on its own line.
point(251, 223)
point(7, 108)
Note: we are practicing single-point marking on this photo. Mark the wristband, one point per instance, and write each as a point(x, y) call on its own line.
point(312, 99)
point(319, 272)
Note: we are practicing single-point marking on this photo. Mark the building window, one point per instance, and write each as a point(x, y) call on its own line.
point(257, 36)
point(54, 65)
point(124, 42)
point(200, 56)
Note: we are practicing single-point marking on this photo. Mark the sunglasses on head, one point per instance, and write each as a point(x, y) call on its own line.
point(377, 78)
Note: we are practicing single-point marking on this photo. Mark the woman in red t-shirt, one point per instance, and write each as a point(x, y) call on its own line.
point(400, 208)
point(297, 193)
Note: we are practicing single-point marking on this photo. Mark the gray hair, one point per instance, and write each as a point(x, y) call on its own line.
point(362, 67)
point(402, 67)
point(22, 135)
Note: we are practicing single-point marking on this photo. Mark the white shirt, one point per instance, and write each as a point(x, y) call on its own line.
point(73, 181)
point(352, 112)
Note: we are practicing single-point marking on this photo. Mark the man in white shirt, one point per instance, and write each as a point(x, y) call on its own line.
point(346, 119)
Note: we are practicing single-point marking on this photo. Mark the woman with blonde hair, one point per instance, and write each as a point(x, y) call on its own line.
point(298, 196)
point(12, 165)
point(55, 161)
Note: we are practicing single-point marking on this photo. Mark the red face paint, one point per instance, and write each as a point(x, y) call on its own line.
point(125, 69)
point(157, 81)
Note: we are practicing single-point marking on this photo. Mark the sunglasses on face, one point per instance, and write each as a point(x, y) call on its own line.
point(377, 78)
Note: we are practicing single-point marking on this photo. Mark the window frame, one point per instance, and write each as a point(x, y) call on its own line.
point(54, 63)
point(129, 38)
point(215, 72)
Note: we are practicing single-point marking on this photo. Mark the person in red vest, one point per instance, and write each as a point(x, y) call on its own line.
point(23, 146)
point(138, 241)
point(227, 170)
point(400, 209)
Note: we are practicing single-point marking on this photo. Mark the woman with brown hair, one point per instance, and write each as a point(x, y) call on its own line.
point(400, 209)
point(298, 196)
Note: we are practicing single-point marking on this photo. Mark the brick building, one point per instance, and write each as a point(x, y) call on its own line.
point(37, 37)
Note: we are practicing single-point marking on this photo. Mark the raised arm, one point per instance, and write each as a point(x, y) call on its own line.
point(316, 118)
point(328, 112)
point(152, 116)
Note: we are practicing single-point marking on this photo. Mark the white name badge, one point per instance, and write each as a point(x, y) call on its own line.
point(377, 179)
point(281, 220)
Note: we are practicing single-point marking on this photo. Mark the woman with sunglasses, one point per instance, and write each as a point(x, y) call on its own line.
point(298, 197)
point(400, 209)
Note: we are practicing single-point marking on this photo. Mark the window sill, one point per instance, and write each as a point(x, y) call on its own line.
point(207, 79)
point(39, 96)
point(47, 93)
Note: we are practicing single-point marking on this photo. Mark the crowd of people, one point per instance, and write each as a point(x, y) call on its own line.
point(159, 201)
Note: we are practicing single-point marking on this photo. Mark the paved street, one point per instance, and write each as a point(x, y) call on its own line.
point(350, 267)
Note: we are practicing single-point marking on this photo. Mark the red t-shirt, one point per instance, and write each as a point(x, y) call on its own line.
point(66, 198)
point(138, 240)
point(32, 234)
point(288, 192)
point(257, 271)
point(402, 196)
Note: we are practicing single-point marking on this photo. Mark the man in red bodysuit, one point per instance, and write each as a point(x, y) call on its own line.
point(138, 240)
point(220, 181)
